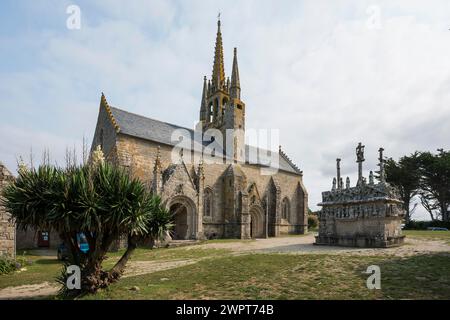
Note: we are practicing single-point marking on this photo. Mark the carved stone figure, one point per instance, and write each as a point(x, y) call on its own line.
point(371, 178)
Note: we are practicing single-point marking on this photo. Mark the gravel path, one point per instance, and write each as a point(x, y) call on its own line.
point(304, 245)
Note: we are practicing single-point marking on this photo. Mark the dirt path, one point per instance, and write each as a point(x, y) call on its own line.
point(32, 291)
point(290, 245)
point(304, 245)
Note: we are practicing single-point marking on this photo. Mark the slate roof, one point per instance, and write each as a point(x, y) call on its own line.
point(154, 130)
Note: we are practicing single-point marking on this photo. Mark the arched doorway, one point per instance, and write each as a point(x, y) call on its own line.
point(183, 211)
point(256, 222)
point(180, 221)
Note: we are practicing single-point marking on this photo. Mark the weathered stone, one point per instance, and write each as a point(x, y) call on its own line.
point(7, 227)
point(368, 215)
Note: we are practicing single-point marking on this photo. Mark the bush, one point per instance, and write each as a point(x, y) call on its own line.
point(313, 221)
point(423, 225)
point(8, 265)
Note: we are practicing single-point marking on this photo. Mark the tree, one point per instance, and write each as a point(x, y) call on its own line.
point(435, 183)
point(405, 175)
point(100, 200)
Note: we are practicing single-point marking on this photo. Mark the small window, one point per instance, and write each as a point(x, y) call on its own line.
point(239, 107)
point(285, 209)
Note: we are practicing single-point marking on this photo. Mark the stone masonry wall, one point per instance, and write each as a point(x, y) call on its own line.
point(139, 155)
point(7, 228)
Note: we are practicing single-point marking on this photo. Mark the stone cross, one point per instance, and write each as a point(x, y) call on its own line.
point(381, 165)
point(338, 169)
point(360, 159)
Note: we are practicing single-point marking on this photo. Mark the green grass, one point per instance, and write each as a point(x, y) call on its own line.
point(46, 268)
point(280, 276)
point(41, 270)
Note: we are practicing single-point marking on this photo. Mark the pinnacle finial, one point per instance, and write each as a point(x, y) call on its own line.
point(235, 82)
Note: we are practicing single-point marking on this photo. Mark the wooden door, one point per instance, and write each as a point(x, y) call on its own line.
point(43, 239)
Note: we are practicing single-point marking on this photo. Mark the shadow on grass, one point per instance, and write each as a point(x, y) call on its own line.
point(48, 261)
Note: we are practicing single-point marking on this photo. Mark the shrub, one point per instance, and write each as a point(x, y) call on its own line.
point(8, 265)
point(423, 225)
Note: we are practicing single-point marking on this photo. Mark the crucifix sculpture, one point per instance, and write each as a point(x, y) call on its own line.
point(338, 169)
point(360, 159)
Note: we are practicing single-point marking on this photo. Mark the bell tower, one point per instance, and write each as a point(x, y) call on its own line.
point(221, 106)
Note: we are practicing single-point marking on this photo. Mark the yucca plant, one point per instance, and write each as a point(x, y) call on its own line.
point(101, 201)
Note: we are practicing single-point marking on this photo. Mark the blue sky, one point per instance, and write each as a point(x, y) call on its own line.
point(328, 74)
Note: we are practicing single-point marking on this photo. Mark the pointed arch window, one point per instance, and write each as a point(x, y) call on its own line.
point(211, 112)
point(207, 205)
point(285, 209)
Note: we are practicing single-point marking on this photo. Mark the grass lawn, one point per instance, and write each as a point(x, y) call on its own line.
point(44, 268)
point(281, 276)
point(41, 270)
point(219, 274)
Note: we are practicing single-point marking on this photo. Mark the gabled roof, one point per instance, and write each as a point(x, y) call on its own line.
point(5, 174)
point(161, 132)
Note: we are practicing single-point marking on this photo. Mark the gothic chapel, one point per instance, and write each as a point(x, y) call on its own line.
point(223, 199)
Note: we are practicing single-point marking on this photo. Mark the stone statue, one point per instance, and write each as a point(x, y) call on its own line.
point(360, 159)
point(381, 165)
point(360, 153)
point(347, 183)
point(371, 178)
point(338, 171)
point(334, 184)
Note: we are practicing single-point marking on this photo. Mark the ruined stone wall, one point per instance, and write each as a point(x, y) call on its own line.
point(7, 228)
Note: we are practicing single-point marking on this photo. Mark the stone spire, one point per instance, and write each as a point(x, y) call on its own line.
point(235, 83)
point(204, 103)
point(218, 75)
